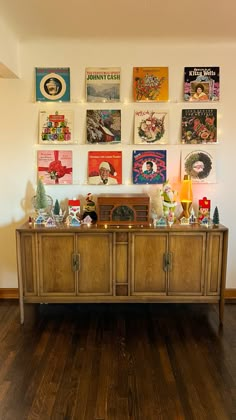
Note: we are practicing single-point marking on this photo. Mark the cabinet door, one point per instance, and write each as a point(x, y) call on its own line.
point(187, 254)
point(56, 273)
point(28, 264)
point(95, 263)
point(214, 262)
point(147, 259)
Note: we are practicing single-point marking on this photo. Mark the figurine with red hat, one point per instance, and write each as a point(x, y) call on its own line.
point(204, 209)
point(90, 208)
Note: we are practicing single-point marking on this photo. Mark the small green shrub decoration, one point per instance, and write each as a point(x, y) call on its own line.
point(56, 209)
point(216, 219)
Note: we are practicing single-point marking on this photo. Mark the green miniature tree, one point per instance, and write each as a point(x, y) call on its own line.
point(56, 209)
point(41, 201)
point(216, 219)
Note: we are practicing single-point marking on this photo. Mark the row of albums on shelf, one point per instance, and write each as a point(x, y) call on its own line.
point(200, 84)
point(164, 208)
point(150, 127)
point(56, 167)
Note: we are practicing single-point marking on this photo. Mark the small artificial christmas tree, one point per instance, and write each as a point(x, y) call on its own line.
point(41, 201)
point(56, 209)
point(216, 219)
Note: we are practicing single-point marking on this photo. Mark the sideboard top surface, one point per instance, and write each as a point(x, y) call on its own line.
point(63, 228)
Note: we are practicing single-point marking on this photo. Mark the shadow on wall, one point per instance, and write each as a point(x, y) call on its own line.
point(8, 265)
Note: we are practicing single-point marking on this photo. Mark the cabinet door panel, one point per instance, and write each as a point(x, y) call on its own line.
point(95, 271)
point(28, 264)
point(188, 262)
point(147, 274)
point(55, 264)
point(214, 258)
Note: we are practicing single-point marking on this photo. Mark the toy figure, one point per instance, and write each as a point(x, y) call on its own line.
point(73, 218)
point(168, 196)
point(90, 208)
point(170, 218)
point(204, 209)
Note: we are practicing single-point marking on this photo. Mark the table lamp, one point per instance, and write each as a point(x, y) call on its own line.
point(186, 196)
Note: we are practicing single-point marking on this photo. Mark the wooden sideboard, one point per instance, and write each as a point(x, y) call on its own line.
point(121, 264)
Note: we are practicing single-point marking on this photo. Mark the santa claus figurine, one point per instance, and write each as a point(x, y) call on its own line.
point(169, 199)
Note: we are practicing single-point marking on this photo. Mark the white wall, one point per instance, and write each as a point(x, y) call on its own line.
point(9, 58)
point(19, 128)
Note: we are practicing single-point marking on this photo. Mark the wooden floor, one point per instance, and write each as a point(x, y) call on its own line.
point(107, 362)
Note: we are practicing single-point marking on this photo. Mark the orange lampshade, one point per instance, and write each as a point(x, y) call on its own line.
point(186, 192)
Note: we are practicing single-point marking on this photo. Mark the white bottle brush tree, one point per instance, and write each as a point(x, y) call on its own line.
point(41, 201)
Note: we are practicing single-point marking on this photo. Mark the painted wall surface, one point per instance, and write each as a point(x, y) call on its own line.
point(9, 49)
point(19, 129)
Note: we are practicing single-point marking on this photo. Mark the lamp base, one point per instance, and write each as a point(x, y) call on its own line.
point(186, 206)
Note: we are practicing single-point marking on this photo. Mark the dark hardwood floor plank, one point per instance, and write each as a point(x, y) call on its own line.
point(163, 379)
point(104, 379)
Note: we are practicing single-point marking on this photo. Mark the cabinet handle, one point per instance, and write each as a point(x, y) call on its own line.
point(167, 261)
point(75, 263)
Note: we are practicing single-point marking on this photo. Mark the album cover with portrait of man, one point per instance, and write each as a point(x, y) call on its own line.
point(52, 84)
point(105, 167)
point(149, 166)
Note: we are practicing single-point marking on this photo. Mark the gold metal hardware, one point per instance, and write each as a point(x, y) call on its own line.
point(75, 262)
point(167, 261)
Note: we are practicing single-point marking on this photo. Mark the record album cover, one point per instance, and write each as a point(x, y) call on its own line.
point(105, 167)
point(103, 84)
point(150, 127)
point(199, 126)
point(53, 84)
point(201, 84)
point(55, 166)
point(149, 167)
point(199, 164)
point(56, 127)
point(150, 84)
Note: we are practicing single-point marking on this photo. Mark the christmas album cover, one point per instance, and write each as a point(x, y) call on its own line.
point(56, 127)
point(199, 164)
point(52, 84)
point(105, 167)
point(199, 126)
point(55, 166)
point(103, 84)
point(150, 84)
point(150, 127)
point(149, 166)
point(201, 84)
point(103, 126)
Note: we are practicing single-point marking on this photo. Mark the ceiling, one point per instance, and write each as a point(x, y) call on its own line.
point(170, 19)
